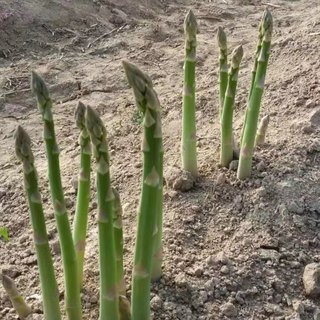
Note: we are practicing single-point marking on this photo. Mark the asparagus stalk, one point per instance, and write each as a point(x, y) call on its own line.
point(72, 286)
point(158, 246)
point(18, 303)
point(83, 195)
point(147, 101)
point(226, 154)
point(223, 67)
point(247, 147)
point(262, 130)
point(189, 138)
point(109, 297)
point(254, 71)
point(48, 282)
point(118, 237)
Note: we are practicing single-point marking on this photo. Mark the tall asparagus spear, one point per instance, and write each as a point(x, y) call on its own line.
point(189, 137)
point(48, 282)
point(18, 303)
point(254, 71)
point(247, 147)
point(72, 286)
point(262, 130)
point(109, 294)
point(147, 101)
point(118, 237)
point(223, 66)
point(226, 154)
point(83, 195)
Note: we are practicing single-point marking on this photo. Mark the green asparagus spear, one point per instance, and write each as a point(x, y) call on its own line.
point(109, 294)
point(247, 147)
point(254, 71)
point(48, 282)
point(226, 154)
point(72, 286)
point(189, 136)
point(147, 101)
point(18, 303)
point(83, 195)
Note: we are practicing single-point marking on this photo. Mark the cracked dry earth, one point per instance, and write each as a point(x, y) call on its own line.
point(232, 250)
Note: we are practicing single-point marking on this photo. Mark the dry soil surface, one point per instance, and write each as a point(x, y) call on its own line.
point(231, 249)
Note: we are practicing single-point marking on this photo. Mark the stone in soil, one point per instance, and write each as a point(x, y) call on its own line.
point(229, 310)
point(311, 280)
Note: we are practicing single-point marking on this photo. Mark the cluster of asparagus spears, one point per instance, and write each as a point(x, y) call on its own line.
point(227, 92)
point(114, 304)
point(148, 251)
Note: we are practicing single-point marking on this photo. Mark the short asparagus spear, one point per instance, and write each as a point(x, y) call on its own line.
point(147, 101)
point(72, 286)
point(48, 282)
point(118, 237)
point(262, 130)
point(83, 195)
point(109, 295)
point(18, 303)
point(223, 67)
point(189, 137)
point(226, 154)
point(247, 146)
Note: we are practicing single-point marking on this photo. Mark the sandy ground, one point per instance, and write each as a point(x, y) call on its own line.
point(231, 249)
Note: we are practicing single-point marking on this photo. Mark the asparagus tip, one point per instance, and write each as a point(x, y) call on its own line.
point(190, 24)
point(237, 55)
point(8, 283)
point(37, 84)
point(267, 24)
point(91, 117)
point(94, 125)
point(135, 76)
point(80, 115)
point(22, 143)
point(222, 38)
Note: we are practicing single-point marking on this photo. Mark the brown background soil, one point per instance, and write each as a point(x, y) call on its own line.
point(266, 227)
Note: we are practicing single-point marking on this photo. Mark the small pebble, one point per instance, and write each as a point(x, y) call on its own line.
point(229, 310)
point(224, 270)
point(156, 302)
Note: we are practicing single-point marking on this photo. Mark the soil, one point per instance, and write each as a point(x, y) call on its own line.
point(231, 249)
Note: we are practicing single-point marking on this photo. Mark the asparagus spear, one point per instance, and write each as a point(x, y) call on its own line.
point(189, 138)
point(254, 71)
point(262, 130)
point(118, 237)
point(226, 154)
point(48, 282)
point(18, 303)
point(109, 295)
point(83, 196)
point(247, 147)
point(223, 66)
point(72, 286)
point(147, 101)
